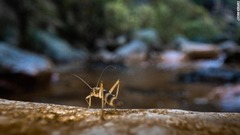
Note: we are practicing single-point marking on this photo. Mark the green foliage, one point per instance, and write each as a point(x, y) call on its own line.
point(119, 17)
point(182, 17)
point(43, 12)
point(170, 18)
point(81, 20)
point(123, 17)
point(85, 21)
point(201, 28)
point(145, 16)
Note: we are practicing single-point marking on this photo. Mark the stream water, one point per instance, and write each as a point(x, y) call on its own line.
point(139, 88)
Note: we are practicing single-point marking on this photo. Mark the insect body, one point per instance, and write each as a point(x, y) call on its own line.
point(107, 97)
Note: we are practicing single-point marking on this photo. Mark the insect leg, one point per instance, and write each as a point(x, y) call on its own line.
point(103, 98)
point(89, 100)
point(116, 102)
point(117, 83)
point(117, 89)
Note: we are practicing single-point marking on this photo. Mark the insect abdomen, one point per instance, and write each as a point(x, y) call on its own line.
point(111, 99)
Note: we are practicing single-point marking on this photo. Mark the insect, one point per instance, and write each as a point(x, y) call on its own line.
point(107, 97)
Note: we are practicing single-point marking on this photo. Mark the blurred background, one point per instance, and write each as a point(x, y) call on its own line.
point(179, 54)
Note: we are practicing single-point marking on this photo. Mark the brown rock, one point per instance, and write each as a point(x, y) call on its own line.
point(35, 118)
point(202, 52)
point(198, 50)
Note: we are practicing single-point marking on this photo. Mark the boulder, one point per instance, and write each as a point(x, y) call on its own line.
point(229, 47)
point(56, 48)
point(231, 50)
point(20, 69)
point(135, 46)
point(133, 53)
point(40, 119)
point(171, 59)
point(148, 35)
point(197, 50)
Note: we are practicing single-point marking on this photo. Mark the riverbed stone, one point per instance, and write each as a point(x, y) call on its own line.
point(197, 50)
point(135, 46)
point(20, 69)
point(59, 50)
point(171, 59)
point(133, 54)
point(38, 118)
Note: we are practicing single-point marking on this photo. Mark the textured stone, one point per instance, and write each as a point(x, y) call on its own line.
point(36, 118)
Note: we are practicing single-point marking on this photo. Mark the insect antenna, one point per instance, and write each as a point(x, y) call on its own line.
point(103, 72)
point(83, 81)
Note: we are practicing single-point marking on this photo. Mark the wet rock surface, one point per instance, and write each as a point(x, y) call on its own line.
point(38, 118)
point(20, 69)
point(19, 61)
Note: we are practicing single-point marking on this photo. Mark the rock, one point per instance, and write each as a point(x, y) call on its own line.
point(135, 46)
point(132, 53)
point(20, 61)
point(201, 55)
point(231, 50)
point(57, 49)
point(171, 59)
point(104, 56)
point(37, 118)
point(229, 47)
point(226, 97)
point(22, 69)
point(197, 50)
point(211, 75)
point(209, 63)
point(148, 35)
